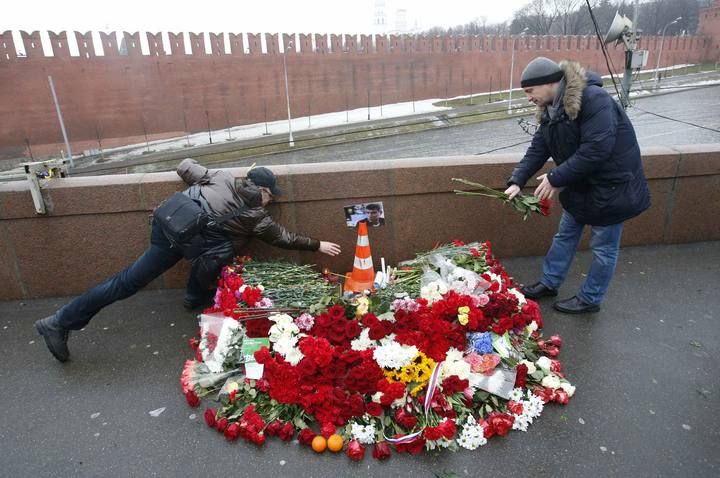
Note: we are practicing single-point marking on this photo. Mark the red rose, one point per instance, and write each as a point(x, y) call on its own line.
point(374, 409)
point(192, 399)
point(274, 428)
point(555, 340)
point(232, 431)
point(306, 435)
point(561, 396)
point(414, 447)
point(221, 424)
point(541, 343)
point(521, 377)
point(355, 450)
point(381, 451)
point(405, 419)
point(545, 393)
point(210, 417)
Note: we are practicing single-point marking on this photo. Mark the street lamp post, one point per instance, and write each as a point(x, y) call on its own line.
point(512, 67)
point(662, 40)
point(291, 142)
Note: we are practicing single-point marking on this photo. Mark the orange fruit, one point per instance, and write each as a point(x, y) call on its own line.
point(319, 444)
point(335, 443)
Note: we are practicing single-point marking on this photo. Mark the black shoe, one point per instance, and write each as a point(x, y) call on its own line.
point(55, 337)
point(574, 305)
point(538, 290)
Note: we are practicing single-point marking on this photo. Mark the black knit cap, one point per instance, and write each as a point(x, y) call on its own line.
point(541, 71)
point(265, 178)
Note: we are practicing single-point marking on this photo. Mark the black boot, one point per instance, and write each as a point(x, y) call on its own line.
point(55, 337)
point(574, 305)
point(538, 290)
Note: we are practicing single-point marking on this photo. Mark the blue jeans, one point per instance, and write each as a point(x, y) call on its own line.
point(605, 245)
point(157, 259)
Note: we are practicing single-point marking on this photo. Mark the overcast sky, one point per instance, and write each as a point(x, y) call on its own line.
point(272, 16)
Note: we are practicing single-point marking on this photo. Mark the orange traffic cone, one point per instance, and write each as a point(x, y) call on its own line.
point(363, 273)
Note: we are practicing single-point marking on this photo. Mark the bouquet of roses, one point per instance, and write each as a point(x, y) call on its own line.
point(521, 203)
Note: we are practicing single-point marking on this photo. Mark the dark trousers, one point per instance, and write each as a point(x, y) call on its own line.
point(157, 259)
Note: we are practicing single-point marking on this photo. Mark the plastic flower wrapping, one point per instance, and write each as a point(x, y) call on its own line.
point(448, 355)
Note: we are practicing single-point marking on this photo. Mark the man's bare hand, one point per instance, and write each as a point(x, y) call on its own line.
point(512, 191)
point(329, 248)
point(545, 190)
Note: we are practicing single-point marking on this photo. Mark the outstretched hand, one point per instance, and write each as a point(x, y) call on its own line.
point(512, 191)
point(545, 190)
point(329, 248)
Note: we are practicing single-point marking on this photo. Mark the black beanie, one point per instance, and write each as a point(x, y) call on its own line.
point(540, 71)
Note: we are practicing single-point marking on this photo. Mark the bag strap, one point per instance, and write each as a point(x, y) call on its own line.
point(225, 217)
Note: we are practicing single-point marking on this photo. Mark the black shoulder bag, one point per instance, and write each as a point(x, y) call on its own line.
point(183, 220)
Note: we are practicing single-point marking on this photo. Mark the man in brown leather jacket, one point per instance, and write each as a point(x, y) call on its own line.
point(219, 193)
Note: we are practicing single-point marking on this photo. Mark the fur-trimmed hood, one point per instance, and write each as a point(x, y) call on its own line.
point(576, 79)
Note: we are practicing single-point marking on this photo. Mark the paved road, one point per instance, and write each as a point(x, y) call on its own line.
point(700, 106)
point(645, 367)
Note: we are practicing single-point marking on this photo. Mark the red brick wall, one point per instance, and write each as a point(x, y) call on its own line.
point(122, 96)
point(709, 26)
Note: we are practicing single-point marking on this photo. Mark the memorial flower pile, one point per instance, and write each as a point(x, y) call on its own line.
point(448, 356)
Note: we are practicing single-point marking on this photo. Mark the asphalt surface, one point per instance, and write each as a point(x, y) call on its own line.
point(645, 367)
point(699, 106)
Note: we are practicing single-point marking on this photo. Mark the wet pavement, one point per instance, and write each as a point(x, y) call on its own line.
point(645, 367)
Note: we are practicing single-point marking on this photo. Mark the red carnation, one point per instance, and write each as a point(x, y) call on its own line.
point(232, 431)
point(561, 396)
point(192, 399)
point(500, 423)
point(404, 419)
point(273, 428)
point(545, 207)
point(306, 435)
point(286, 432)
point(355, 450)
point(327, 429)
point(515, 408)
point(221, 424)
point(381, 451)
point(374, 409)
point(552, 351)
point(555, 340)
point(414, 447)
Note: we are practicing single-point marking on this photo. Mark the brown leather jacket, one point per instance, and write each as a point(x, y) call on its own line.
point(223, 194)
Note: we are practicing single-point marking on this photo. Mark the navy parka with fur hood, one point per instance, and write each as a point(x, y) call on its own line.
point(597, 157)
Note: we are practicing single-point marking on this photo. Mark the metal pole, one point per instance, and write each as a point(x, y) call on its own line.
point(629, 51)
point(512, 67)
point(62, 123)
point(291, 142)
point(662, 40)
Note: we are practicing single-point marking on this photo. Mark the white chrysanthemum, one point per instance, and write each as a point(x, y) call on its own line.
point(394, 355)
point(551, 381)
point(363, 342)
point(472, 435)
point(365, 434)
point(516, 394)
point(532, 327)
point(544, 363)
point(521, 422)
point(533, 406)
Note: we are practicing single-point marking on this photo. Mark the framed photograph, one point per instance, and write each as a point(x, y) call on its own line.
point(373, 213)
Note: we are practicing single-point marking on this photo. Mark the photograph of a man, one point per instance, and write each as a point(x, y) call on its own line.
point(375, 215)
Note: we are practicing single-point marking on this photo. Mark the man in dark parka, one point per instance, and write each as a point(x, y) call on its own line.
point(598, 173)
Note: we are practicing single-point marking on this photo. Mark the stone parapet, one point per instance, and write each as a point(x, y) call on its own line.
point(96, 226)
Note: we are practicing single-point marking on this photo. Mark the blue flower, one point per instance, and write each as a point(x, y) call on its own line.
point(481, 343)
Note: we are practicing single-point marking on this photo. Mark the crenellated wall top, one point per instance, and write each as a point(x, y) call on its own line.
point(87, 45)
